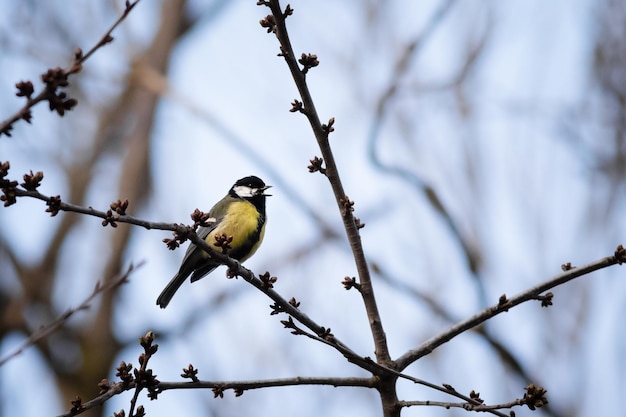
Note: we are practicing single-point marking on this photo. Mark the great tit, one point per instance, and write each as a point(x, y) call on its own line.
point(240, 215)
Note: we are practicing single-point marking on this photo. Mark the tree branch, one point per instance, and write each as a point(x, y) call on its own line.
point(240, 386)
point(45, 331)
point(276, 24)
point(182, 233)
point(56, 78)
point(107, 216)
point(504, 304)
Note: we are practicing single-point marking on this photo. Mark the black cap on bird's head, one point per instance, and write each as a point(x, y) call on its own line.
point(249, 187)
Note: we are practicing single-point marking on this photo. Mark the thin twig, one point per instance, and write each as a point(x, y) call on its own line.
point(73, 208)
point(107, 38)
point(112, 391)
point(465, 406)
point(503, 305)
point(74, 68)
point(45, 331)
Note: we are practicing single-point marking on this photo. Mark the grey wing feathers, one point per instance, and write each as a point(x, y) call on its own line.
point(191, 263)
point(202, 233)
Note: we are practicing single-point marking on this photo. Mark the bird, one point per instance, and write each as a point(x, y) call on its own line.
point(240, 215)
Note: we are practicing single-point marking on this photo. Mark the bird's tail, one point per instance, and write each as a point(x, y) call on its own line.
point(171, 288)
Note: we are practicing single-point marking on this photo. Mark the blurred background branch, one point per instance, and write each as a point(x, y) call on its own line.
point(484, 143)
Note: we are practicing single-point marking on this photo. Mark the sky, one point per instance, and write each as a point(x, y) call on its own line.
point(492, 148)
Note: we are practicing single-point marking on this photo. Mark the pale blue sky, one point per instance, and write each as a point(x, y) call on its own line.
point(526, 208)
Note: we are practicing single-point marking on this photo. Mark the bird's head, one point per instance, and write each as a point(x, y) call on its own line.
point(249, 187)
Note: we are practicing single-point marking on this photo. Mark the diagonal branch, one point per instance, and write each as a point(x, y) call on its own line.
point(55, 205)
point(533, 293)
point(49, 93)
point(45, 331)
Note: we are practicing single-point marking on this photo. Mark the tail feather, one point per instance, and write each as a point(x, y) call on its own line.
point(171, 288)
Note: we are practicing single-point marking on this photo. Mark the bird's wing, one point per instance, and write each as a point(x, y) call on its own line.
point(194, 261)
point(197, 261)
point(206, 265)
point(202, 232)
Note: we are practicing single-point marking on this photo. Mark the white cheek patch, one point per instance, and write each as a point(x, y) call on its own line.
point(244, 191)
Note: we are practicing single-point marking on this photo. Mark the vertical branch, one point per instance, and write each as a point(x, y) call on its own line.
point(276, 23)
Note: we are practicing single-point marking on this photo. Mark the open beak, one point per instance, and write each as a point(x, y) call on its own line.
point(265, 188)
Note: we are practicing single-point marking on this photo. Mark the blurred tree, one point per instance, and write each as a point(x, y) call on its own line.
point(82, 353)
point(483, 144)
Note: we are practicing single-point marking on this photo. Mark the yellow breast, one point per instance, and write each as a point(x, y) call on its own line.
point(242, 223)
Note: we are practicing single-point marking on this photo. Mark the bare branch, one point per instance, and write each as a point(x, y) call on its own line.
point(45, 331)
point(108, 217)
point(57, 77)
point(218, 387)
point(465, 406)
point(533, 293)
point(111, 391)
point(533, 398)
point(267, 383)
